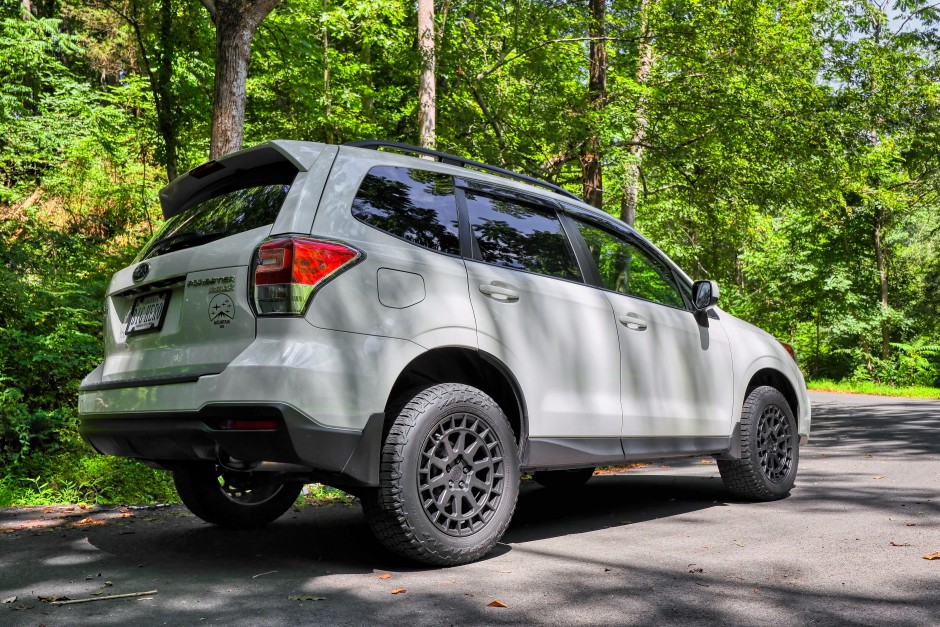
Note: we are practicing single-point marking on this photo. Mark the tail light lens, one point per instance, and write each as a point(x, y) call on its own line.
point(289, 269)
point(789, 350)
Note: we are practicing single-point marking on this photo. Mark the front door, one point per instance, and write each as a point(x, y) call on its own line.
point(675, 374)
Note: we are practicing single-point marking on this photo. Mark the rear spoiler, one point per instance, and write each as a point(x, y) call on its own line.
point(276, 159)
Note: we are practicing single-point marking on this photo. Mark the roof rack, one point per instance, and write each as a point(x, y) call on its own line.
point(443, 157)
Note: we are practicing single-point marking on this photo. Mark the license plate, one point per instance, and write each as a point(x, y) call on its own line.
point(148, 313)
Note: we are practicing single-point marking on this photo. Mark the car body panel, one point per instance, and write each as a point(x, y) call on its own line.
point(567, 329)
point(584, 381)
point(676, 374)
point(336, 379)
point(443, 317)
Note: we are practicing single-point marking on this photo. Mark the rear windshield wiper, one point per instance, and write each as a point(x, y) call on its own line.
point(181, 241)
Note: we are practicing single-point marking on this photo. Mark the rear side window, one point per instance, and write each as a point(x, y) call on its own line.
point(416, 205)
point(520, 236)
point(227, 214)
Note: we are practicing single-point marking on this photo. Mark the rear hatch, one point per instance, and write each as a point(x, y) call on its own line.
point(182, 310)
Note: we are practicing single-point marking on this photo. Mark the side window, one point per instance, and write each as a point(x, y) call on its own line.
point(520, 236)
point(628, 269)
point(415, 205)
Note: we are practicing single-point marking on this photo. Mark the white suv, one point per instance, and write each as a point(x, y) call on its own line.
point(419, 332)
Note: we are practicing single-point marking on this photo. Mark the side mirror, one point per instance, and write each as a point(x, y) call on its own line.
point(704, 295)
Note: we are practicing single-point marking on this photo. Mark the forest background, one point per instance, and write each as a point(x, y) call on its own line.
point(787, 149)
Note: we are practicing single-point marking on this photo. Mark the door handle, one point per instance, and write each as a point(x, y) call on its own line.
point(499, 292)
point(633, 322)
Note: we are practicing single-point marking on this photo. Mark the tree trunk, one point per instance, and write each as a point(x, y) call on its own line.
point(235, 24)
point(591, 171)
point(632, 173)
point(427, 88)
point(160, 81)
point(882, 283)
point(167, 119)
point(368, 100)
point(327, 95)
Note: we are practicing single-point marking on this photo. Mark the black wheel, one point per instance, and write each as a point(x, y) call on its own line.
point(770, 448)
point(237, 500)
point(573, 478)
point(448, 479)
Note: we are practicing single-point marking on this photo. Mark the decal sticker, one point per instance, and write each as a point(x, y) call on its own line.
point(221, 310)
point(213, 281)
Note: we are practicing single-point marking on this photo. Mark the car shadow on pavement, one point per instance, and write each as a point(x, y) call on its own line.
point(338, 535)
point(610, 501)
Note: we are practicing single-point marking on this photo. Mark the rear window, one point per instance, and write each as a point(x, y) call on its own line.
point(416, 205)
point(521, 236)
point(233, 212)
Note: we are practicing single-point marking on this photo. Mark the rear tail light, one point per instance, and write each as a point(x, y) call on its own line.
point(289, 269)
point(246, 425)
point(789, 350)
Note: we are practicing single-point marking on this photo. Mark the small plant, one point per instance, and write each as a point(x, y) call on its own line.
point(319, 494)
point(914, 367)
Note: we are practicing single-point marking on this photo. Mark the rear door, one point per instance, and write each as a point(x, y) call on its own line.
point(536, 315)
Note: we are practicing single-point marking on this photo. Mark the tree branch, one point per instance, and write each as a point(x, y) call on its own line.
point(911, 16)
point(211, 8)
point(510, 59)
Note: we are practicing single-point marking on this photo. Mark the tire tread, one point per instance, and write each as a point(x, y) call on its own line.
point(384, 507)
point(741, 476)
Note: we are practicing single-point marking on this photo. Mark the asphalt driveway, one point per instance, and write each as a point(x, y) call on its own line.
point(652, 546)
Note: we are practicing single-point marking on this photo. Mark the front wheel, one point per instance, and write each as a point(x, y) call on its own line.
point(448, 479)
point(237, 500)
point(770, 448)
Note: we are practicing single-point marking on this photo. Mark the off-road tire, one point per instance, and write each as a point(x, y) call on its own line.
point(770, 449)
point(422, 454)
point(202, 492)
point(574, 478)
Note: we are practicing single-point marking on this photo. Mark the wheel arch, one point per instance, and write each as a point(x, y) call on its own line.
point(457, 364)
point(779, 381)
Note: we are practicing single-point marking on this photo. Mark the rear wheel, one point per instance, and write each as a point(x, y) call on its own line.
point(448, 479)
point(770, 448)
point(574, 478)
point(238, 500)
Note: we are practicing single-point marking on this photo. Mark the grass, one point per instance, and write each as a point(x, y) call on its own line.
point(78, 477)
point(877, 389)
point(319, 494)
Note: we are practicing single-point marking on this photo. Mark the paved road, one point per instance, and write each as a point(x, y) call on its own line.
point(653, 546)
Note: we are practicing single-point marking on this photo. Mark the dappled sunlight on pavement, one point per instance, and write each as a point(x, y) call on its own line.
point(661, 543)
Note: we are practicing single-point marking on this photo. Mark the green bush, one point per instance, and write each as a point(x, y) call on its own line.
point(79, 475)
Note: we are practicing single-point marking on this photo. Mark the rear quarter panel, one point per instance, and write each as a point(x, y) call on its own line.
point(425, 295)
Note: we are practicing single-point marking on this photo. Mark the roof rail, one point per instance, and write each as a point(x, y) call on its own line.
point(443, 157)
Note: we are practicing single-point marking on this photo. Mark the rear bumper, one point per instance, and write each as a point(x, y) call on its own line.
point(346, 457)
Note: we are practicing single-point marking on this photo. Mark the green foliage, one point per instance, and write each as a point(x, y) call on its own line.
point(878, 389)
point(789, 152)
point(319, 494)
point(75, 476)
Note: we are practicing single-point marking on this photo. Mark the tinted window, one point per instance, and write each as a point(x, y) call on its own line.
point(415, 205)
point(230, 213)
point(519, 236)
point(628, 269)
